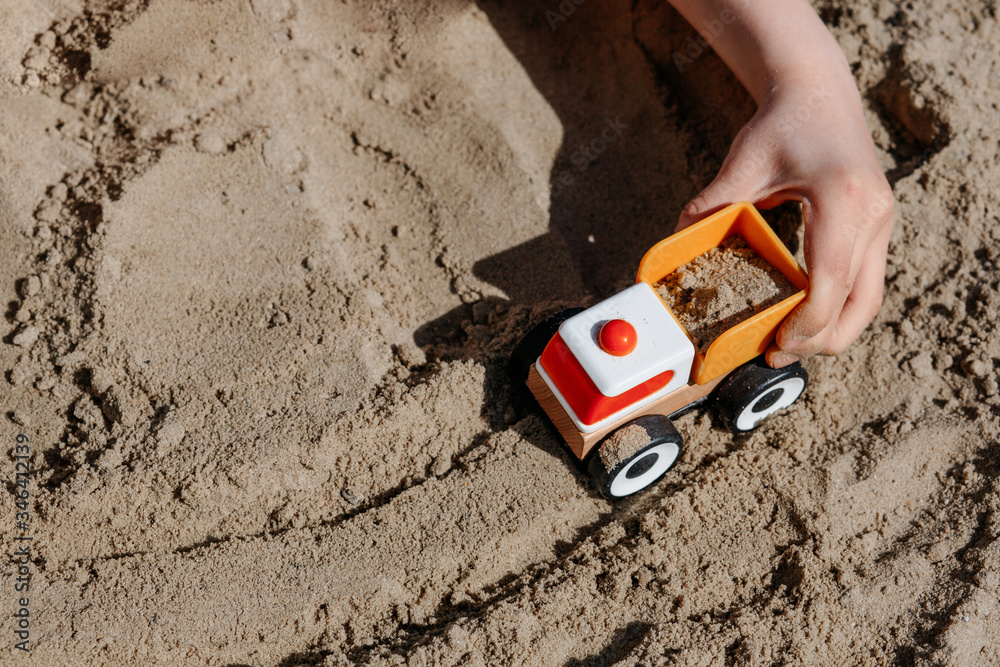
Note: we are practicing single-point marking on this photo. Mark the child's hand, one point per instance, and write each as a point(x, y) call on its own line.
point(808, 142)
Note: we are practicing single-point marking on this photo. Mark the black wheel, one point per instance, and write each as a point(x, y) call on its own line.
point(634, 456)
point(755, 391)
point(533, 344)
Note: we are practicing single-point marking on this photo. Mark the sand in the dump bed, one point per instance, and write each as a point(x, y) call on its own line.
point(722, 287)
point(264, 262)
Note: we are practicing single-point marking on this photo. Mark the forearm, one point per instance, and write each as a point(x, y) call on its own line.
point(808, 142)
point(768, 43)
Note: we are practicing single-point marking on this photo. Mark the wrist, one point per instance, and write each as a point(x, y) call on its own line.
point(817, 62)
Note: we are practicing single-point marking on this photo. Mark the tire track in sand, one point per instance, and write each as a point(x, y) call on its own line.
point(680, 583)
point(261, 599)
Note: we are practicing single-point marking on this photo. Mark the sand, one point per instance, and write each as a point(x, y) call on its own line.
point(622, 445)
point(721, 288)
point(263, 265)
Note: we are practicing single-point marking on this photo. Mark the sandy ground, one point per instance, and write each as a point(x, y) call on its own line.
point(264, 261)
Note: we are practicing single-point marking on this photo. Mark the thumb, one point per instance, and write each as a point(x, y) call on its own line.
point(743, 177)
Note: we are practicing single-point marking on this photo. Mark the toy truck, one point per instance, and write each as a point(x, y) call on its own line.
point(611, 377)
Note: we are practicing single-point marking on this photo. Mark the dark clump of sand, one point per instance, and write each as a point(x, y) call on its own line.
point(719, 289)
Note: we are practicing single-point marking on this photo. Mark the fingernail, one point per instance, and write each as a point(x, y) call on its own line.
point(782, 359)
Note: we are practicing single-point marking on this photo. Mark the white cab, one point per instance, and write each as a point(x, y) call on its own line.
point(661, 343)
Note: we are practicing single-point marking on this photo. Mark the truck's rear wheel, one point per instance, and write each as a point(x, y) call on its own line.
point(531, 346)
point(756, 391)
point(634, 456)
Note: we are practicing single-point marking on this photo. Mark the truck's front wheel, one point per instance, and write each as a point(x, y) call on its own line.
point(634, 456)
point(755, 391)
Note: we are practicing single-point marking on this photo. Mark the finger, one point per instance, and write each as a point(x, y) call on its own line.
point(860, 307)
point(848, 227)
point(833, 264)
point(865, 300)
point(775, 358)
point(745, 176)
point(778, 358)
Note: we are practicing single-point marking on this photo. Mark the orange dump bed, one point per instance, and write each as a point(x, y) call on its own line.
point(750, 337)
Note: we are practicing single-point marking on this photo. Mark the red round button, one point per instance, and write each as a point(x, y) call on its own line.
point(617, 337)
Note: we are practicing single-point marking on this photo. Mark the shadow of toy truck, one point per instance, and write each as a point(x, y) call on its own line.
point(610, 377)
